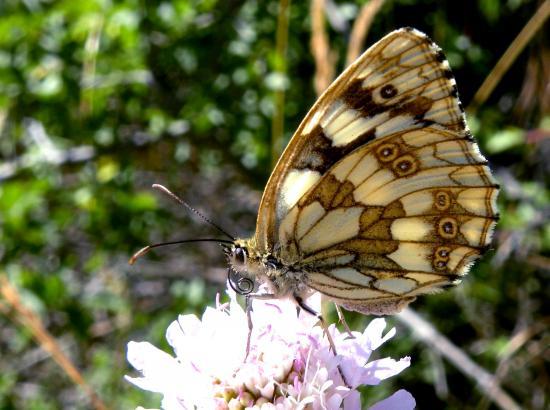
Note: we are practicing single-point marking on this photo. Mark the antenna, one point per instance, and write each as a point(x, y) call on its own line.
point(189, 207)
point(146, 249)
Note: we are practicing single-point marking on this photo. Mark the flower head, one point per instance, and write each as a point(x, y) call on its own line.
point(289, 366)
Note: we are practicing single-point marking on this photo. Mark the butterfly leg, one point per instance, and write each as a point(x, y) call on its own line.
point(301, 304)
point(248, 308)
point(342, 320)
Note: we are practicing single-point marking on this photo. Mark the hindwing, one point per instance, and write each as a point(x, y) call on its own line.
point(398, 217)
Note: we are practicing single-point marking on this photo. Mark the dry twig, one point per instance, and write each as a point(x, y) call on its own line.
point(361, 29)
point(515, 343)
point(486, 382)
point(324, 58)
point(510, 55)
point(33, 323)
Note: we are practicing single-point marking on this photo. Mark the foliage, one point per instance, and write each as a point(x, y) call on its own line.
point(100, 99)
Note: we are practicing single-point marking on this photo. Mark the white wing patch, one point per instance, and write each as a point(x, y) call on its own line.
point(342, 169)
point(342, 124)
point(336, 226)
point(309, 216)
point(411, 256)
point(351, 276)
point(363, 170)
point(398, 123)
point(358, 293)
point(474, 231)
point(364, 193)
point(295, 185)
point(410, 229)
point(418, 202)
point(474, 200)
point(396, 285)
point(342, 278)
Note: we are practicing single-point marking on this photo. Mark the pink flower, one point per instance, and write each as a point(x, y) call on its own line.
point(289, 366)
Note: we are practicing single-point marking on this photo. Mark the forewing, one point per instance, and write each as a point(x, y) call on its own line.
point(403, 82)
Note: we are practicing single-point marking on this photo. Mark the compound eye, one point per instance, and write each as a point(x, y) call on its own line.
point(240, 255)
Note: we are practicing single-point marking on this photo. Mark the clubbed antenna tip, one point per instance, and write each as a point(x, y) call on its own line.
point(139, 254)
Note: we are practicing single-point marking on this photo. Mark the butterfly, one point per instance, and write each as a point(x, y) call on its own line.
point(382, 193)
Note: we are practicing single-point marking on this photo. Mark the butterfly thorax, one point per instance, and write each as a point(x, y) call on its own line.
point(282, 277)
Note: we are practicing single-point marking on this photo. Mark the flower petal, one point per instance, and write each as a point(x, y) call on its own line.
point(381, 369)
point(400, 400)
point(352, 400)
point(374, 331)
point(334, 402)
point(180, 330)
point(161, 372)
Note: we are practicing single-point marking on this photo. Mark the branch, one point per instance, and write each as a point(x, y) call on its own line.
point(486, 382)
point(361, 28)
point(515, 343)
point(510, 55)
point(33, 323)
point(324, 58)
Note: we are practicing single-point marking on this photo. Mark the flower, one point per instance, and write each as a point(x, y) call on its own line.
point(289, 364)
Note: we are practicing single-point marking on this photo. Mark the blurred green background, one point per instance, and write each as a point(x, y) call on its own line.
point(99, 99)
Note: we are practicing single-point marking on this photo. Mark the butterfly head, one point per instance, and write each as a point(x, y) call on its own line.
point(242, 273)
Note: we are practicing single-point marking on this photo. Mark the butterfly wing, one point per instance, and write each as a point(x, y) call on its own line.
point(401, 216)
point(382, 193)
point(401, 82)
